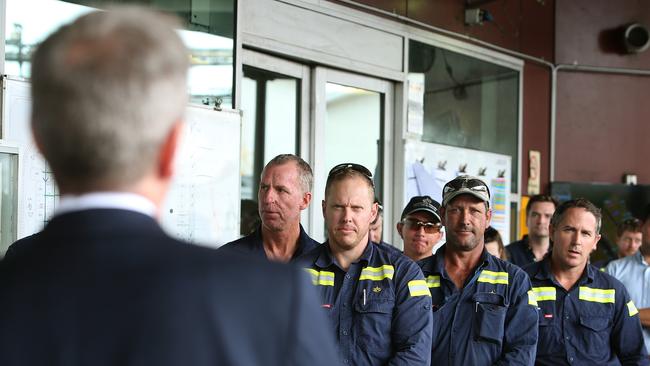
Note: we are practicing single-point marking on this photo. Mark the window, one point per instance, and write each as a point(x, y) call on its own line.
point(209, 34)
point(468, 102)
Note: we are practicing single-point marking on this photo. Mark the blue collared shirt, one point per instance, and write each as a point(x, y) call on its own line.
point(594, 323)
point(634, 273)
point(490, 321)
point(254, 244)
point(380, 308)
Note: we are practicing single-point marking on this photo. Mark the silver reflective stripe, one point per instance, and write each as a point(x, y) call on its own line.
point(377, 273)
point(493, 277)
point(322, 278)
point(433, 281)
point(602, 296)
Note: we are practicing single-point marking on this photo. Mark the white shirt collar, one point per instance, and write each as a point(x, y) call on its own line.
point(110, 200)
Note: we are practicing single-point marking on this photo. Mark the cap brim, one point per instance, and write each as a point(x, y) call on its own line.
point(453, 195)
point(435, 214)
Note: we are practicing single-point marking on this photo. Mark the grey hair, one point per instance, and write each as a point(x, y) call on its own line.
point(585, 204)
point(304, 170)
point(107, 89)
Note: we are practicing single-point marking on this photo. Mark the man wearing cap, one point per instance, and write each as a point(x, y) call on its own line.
point(420, 227)
point(377, 300)
point(285, 190)
point(586, 316)
point(483, 310)
point(634, 270)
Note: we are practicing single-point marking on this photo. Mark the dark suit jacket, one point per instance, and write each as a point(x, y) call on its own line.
point(109, 287)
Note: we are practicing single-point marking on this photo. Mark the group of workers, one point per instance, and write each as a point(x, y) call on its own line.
point(102, 284)
point(462, 306)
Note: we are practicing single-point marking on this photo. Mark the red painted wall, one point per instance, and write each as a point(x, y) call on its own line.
point(601, 118)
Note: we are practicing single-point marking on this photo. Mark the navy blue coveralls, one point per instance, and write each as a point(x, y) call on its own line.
point(253, 244)
point(519, 253)
point(595, 323)
point(492, 320)
point(380, 308)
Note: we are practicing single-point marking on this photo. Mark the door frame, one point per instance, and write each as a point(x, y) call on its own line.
point(320, 77)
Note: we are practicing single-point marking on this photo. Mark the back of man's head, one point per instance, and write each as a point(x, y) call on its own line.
point(107, 90)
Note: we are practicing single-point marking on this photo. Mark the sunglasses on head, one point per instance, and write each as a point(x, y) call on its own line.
point(476, 185)
point(415, 224)
point(346, 167)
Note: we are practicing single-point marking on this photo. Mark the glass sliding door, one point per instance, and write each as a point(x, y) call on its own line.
point(353, 123)
point(272, 103)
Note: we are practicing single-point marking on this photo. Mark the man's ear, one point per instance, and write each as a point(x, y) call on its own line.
point(596, 243)
point(399, 226)
point(169, 150)
point(374, 210)
point(306, 199)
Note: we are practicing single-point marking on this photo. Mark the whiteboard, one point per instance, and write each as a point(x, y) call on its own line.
point(202, 205)
point(429, 166)
point(37, 192)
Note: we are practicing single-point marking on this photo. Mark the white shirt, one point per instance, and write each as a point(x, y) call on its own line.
point(106, 200)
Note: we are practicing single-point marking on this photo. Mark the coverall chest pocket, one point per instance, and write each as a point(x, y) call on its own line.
point(490, 316)
point(548, 335)
point(374, 316)
point(595, 334)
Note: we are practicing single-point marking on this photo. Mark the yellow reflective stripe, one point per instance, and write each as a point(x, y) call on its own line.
point(602, 296)
point(433, 281)
point(322, 278)
point(631, 308)
point(532, 298)
point(418, 288)
point(493, 277)
point(545, 293)
point(377, 273)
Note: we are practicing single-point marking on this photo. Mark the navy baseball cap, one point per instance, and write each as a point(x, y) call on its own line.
point(422, 203)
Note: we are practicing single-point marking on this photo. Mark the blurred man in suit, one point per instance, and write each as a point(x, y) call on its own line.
point(102, 284)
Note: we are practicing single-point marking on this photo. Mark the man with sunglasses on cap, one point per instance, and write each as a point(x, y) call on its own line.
point(376, 299)
point(420, 227)
point(483, 310)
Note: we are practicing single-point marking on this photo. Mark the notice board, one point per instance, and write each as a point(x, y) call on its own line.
point(203, 203)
